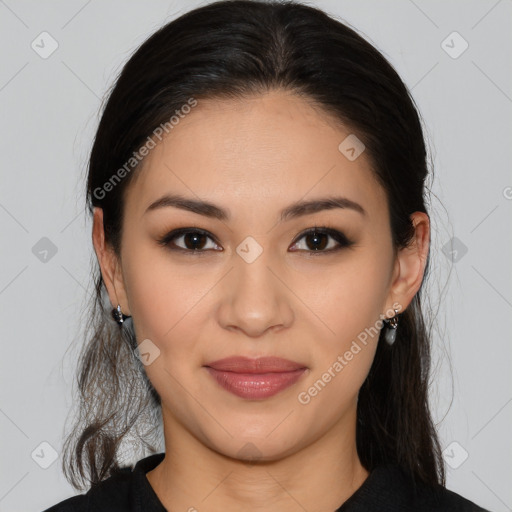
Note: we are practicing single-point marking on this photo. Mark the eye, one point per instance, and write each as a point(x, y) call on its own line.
point(317, 240)
point(188, 240)
point(194, 240)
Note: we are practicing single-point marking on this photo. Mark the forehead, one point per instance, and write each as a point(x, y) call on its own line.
point(263, 150)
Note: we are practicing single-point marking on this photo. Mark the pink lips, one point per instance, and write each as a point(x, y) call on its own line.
point(255, 378)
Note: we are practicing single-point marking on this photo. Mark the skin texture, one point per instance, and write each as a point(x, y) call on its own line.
point(254, 157)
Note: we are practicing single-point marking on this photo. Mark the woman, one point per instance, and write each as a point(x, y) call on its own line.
point(257, 186)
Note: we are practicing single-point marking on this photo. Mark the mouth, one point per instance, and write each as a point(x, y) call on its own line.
point(255, 378)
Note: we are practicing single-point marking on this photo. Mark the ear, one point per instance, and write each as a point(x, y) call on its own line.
point(109, 264)
point(410, 264)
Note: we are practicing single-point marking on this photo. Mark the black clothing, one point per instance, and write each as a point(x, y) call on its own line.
point(386, 489)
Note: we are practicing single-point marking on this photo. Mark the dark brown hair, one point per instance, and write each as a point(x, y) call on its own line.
point(233, 49)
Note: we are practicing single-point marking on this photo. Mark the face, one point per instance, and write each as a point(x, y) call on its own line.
point(249, 275)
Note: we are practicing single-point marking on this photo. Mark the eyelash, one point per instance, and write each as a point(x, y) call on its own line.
point(338, 236)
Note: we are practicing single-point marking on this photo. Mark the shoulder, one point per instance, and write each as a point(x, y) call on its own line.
point(449, 500)
point(124, 491)
point(426, 498)
point(391, 488)
point(442, 499)
point(110, 495)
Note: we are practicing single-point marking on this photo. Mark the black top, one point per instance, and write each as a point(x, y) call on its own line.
point(386, 489)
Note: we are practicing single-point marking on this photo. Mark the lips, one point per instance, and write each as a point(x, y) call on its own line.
point(259, 365)
point(255, 378)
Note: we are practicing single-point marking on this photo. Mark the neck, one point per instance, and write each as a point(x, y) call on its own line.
point(318, 478)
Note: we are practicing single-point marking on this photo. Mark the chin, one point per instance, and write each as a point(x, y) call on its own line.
point(253, 449)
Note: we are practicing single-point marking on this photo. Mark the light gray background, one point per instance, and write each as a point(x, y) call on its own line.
point(48, 117)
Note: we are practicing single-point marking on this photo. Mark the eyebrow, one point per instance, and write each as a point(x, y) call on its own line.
point(293, 211)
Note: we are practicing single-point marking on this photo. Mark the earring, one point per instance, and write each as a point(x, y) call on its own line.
point(118, 315)
point(391, 326)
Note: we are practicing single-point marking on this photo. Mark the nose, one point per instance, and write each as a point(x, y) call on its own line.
point(254, 300)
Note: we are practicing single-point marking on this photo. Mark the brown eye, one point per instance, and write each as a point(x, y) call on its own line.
point(316, 241)
point(189, 240)
point(194, 240)
point(322, 240)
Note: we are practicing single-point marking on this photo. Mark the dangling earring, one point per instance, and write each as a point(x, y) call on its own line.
point(391, 326)
point(118, 315)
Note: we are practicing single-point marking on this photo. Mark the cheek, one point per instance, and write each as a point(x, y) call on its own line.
point(164, 301)
point(349, 301)
point(351, 308)
point(159, 295)
point(352, 296)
